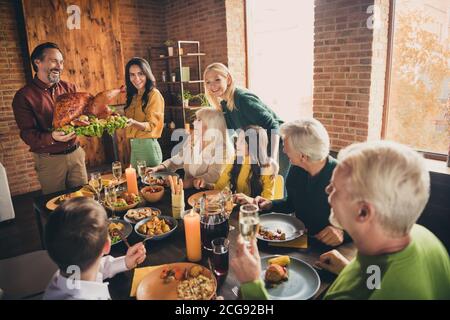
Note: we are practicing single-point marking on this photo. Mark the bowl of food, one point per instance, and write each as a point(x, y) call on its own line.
point(156, 228)
point(153, 193)
point(138, 214)
point(122, 226)
point(125, 201)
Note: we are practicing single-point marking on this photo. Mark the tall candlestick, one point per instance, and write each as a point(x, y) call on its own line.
point(132, 186)
point(192, 233)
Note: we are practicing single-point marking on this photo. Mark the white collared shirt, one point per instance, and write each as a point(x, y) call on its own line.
point(62, 288)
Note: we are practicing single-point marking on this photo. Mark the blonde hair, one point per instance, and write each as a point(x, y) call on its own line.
point(390, 176)
point(222, 70)
point(215, 122)
point(307, 136)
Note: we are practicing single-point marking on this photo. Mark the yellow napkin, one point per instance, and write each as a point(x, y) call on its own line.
point(139, 274)
point(299, 243)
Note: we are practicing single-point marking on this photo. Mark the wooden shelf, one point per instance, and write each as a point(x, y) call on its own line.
point(182, 56)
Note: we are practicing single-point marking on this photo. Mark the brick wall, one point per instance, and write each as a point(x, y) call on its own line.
point(141, 24)
point(342, 69)
point(14, 153)
point(202, 21)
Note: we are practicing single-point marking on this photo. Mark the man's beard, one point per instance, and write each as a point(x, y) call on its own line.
point(333, 220)
point(52, 77)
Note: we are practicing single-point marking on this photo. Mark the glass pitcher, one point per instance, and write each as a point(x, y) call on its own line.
point(213, 220)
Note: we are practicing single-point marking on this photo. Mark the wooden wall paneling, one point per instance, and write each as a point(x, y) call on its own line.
point(93, 57)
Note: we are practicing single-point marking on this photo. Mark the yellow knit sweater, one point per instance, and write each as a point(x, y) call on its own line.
point(153, 115)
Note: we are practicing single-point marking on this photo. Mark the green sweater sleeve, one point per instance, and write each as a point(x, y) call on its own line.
point(254, 291)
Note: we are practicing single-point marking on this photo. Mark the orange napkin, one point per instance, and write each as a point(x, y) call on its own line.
point(139, 274)
point(299, 243)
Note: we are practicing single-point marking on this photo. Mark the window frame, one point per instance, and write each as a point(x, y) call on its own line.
point(387, 86)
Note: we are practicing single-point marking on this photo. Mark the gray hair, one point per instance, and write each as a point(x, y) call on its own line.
point(390, 176)
point(307, 136)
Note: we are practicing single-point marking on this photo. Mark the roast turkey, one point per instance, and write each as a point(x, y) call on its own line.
point(70, 106)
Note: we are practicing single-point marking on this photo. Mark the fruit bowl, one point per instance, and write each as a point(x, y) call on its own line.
point(153, 193)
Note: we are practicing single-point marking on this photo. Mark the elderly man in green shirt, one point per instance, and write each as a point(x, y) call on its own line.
point(377, 193)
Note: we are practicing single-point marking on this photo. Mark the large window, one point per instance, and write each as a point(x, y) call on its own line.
point(280, 54)
point(418, 103)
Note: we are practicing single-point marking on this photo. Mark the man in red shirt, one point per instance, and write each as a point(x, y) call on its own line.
point(59, 161)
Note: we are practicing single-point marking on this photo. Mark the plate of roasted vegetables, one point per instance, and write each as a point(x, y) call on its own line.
point(156, 227)
point(289, 278)
point(178, 281)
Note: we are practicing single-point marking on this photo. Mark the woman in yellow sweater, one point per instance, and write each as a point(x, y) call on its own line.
point(252, 173)
point(145, 110)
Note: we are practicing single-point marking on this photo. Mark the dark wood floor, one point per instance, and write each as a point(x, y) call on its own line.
point(20, 235)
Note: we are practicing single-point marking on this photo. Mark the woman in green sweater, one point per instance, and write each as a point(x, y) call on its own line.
point(242, 108)
point(377, 192)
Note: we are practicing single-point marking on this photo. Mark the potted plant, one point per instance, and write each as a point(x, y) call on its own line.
point(187, 96)
point(169, 44)
point(200, 99)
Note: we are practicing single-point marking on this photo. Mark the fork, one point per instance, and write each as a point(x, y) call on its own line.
point(117, 232)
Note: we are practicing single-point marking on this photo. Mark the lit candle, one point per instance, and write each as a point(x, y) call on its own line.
point(132, 186)
point(192, 233)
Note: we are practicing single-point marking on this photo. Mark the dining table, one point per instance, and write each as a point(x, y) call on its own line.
point(172, 249)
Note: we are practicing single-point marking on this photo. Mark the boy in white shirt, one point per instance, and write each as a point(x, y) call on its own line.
point(76, 237)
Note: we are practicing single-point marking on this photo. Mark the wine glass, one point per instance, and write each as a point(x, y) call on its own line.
point(248, 222)
point(227, 202)
point(111, 198)
point(141, 166)
point(95, 182)
point(117, 170)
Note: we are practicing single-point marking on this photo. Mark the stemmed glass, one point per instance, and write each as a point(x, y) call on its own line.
point(227, 203)
point(96, 183)
point(111, 198)
point(141, 166)
point(117, 171)
point(248, 222)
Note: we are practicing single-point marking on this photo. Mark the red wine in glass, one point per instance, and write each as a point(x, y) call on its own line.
point(220, 263)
